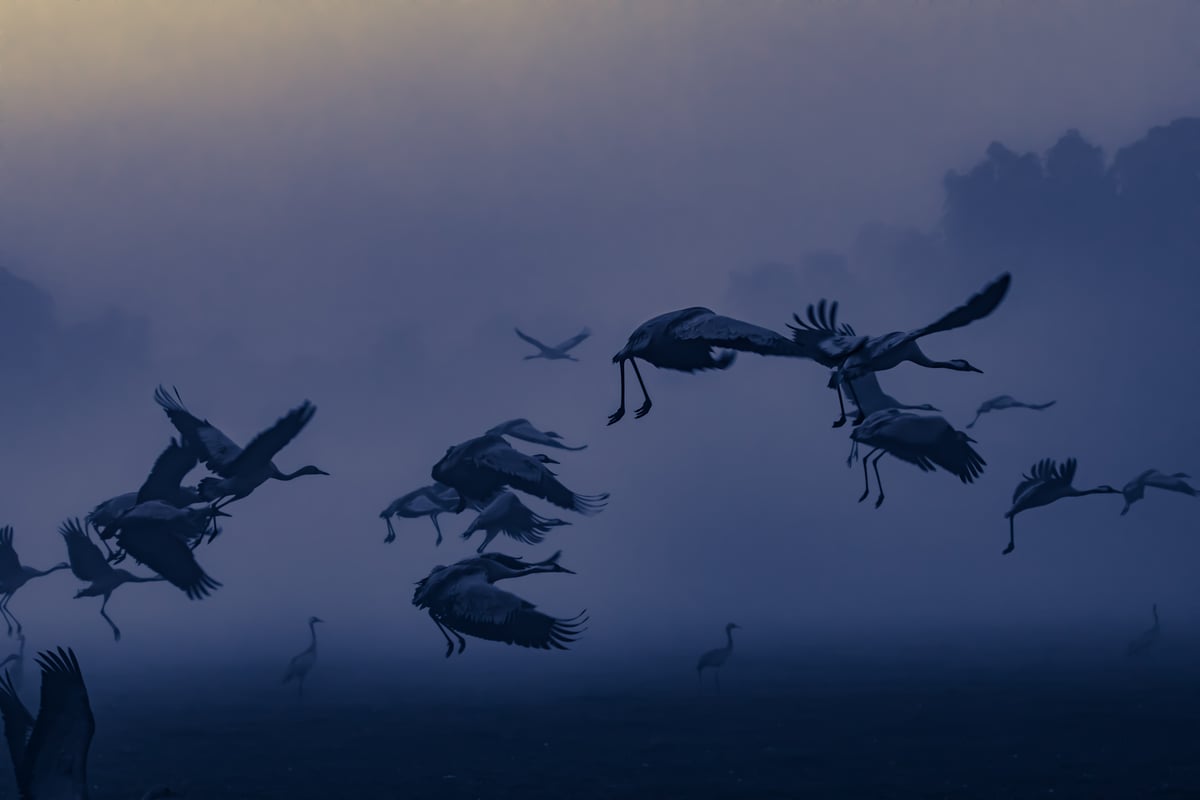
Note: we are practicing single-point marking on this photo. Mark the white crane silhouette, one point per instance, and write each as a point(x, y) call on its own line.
point(14, 575)
point(1046, 483)
point(716, 658)
point(1005, 401)
point(50, 755)
point(241, 471)
point(480, 468)
point(524, 430)
point(926, 441)
point(858, 355)
point(1146, 638)
point(302, 664)
point(559, 351)
point(428, 501)
point(89, 565)
point(684, 340)
point(461, 598)
point(508, 515)
point(868, 397)
point(1136, 489)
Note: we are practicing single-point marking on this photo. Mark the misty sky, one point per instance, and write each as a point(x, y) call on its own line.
point(266, 202)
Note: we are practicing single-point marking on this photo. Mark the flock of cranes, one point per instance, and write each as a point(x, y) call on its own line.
point(162, 524)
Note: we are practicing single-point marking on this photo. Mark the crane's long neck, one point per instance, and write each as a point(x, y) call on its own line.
point(1154, 611)
point(312, 632)
point(729, 639)
point(1097, 490)
point(39, 573)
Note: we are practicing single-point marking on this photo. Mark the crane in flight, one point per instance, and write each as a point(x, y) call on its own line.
point(428, 501)
point(557, 352)
point(524, 430)
point(1047, 482)
point(508, 515)
point(1136, 489)
point(14, 575)
point(90, 566)
point(1005, 401)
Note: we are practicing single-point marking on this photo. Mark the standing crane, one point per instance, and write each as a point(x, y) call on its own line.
point(14, 575)
point(302, 664)
point(89, 565)
point(1046, 483)
point(716, 658)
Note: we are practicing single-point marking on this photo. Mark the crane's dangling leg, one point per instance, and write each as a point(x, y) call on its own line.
point(879, 482)
point(437, 528)
point(108, 619)
point(391, 534)
point(4, 613)
point(11, 615)
point(853, 453)
point(858, 420)
point(1011, 543)
point(462, 643)
point(644, 409)
point(620, 412)
point(866, 477)
point(488, 535)
point(840, 421)
point(449, 641)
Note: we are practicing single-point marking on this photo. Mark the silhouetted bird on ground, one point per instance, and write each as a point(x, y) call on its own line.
point(922, 440)
point(508, 515)
point(524, 430)
point(302, 664)
point(1146, 638)
point(50, 755)
point(14, 575)
point(856, 356)
point(715, 659)
point(1046, 483)
point(684, 340)
point(463, 599)
point(559, 351)
point(241, 471)
point(428, 501)
point(1005, 401)
point(480, 468)
point(91, 567)
point(1136, 489)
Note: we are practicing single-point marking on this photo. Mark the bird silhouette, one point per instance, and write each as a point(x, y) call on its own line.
point(857, 355)
point(16, 673)
point(302, 664)
point(241, 471)
point(1046, 483)
point(924, 440)
point(165, 546)
point(14, 575)
point(559, 351)
point(868, 397)
point(508, 515)
point(428, 501)
point(1005, 401)
point(461, 598)
point(1136, 489)
point(90, 566)
point(716, 658)
point(524, 430)
point(684, 340)
point(50, 754)
point(480, 468)
point(1147, 638)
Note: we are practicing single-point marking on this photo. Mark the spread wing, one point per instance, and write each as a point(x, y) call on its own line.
point(56, 757)
point(169, 470)
point(531, 340)
point(525, 430)
point(482, 610)
point(18, 722)
point(9, 562)
point(574, 340)
point(169, 556)
point(821, 338)
point(977, 307)
point(87, 562)
point(214, 448)
point(532, 477)
point(264, 446)
point(734, 334)
point(1046, 471)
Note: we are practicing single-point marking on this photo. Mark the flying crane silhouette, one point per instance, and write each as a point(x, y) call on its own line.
point(241, 471)
point(684, 340)
point(50, 754)
point(926, 441)
point(1136, 489)
point(428, 501)
point(462, 598)
point(90, 566)
point(508, 515)
point(868, 397)
point(1005, 401)
point(1046, 483)
point(716, 658)
point(302, 663)
point(14, 575)
point(559, 351)
point(524, 430)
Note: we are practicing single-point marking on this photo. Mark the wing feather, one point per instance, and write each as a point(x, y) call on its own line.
point(87, 562)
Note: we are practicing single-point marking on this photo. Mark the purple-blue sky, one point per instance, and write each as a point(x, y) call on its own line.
point(354, 204)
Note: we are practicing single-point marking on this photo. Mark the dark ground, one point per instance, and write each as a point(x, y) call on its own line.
point(1086, 723)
